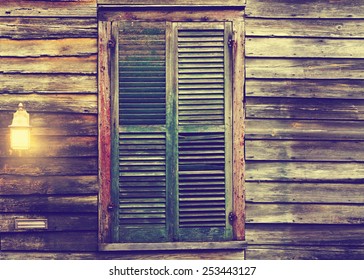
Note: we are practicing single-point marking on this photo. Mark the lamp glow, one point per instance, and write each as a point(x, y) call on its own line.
point(20, 130)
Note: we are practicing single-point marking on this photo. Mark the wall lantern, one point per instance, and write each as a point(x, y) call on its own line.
point(20, 130)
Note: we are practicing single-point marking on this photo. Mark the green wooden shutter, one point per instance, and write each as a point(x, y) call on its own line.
point(142, 135)
point(204, 131)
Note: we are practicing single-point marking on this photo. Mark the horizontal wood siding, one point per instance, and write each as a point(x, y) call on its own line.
point(304, 123)
point(48, 61)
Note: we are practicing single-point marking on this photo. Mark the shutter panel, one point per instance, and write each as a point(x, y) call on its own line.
point(204, 131)
point(142, 135)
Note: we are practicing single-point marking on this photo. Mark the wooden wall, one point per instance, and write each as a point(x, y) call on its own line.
point(305, 129)
point(48, 61)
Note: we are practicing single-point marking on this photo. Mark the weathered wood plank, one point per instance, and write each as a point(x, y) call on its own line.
point(305, 171)
point(53, 47)
point(46, 83)
point(54, 8)
point(303, 253)
point(56, 222)
point(275, 192)
point(310, 235)
point(304, 129)
point(315, 109)
point(346, 89)
point(305, 9)
point(305, 68)
point(304, 47)
point(55, 124)
point(226, 3)
point(48, 166)
point(170, 255)
point(47, 28)
point(59, 146)
point(44, 65)
point(63, 103)
point(25, 185)
point(304, 214)
point(50, 241)
point(305, 150)
point(328, 28)
point(46, 204)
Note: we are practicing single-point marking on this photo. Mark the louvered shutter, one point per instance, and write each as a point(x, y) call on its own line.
point(204, 130)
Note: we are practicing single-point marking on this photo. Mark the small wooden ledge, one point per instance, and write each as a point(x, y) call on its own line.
point(173, 246)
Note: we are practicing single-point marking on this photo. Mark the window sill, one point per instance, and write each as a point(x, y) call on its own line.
point(172, 246)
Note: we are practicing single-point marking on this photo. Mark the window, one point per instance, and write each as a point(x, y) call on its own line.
point(172, 147)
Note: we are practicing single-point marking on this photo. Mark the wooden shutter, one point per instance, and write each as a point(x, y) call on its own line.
point(142, 136)
point(204, 130)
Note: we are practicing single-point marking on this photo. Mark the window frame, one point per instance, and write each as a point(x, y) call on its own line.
point(107, 123)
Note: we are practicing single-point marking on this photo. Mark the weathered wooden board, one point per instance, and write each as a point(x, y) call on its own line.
point(47, 28)
point(305, 68)
point(346, 89)
point(59, 146)
point(183, 255)
point(46, 204)
point(55, 222)
point(25, 185)
point(50, 241)
point(304, 129)
point(303, 108)
point(59, 65)
point(305, 171)
point(304, 214)
point(304, 47)
point(306, 234)
point(55, 124)
point(305, 150)
point(305, 9)
point(46, 83)
point(52, 47)
point(208, 3)
point(48, 166)
point(280, 192)
point(303, 253)
point(54, 8)
point(328, 28)
point(52, 103)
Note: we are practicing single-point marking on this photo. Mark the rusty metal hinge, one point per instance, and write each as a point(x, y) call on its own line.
point(232, 217)
point(111, 43)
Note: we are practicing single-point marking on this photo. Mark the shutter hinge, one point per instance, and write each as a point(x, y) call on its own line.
point(231, 43)
point(111, 207)
point(232, 217)
point(111, 43)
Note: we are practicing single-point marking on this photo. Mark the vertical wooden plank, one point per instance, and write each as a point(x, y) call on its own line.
point(171, 129)
point(238, 131)
point(228, 124)
point(104, 145)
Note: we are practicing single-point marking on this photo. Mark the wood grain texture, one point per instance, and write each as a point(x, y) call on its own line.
point(46, 204)
point(287, 192)
point(47, 28)
point(304, 47)
point(58, 8)
point(44, 65)
point(328, 28)
point(56, 222)
point(304, 214)
point(305, 150)
point(305, 68)
point(345, 89)
point(227, 3)
point(304, 253)
point(304, 129)
point(47, 83)
point(52, 47)
point(50, 241)
point(308, 235)
point(48, 166)
point(305, 171)
point(58, 185)
point(305, 9)
point(311, 109)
